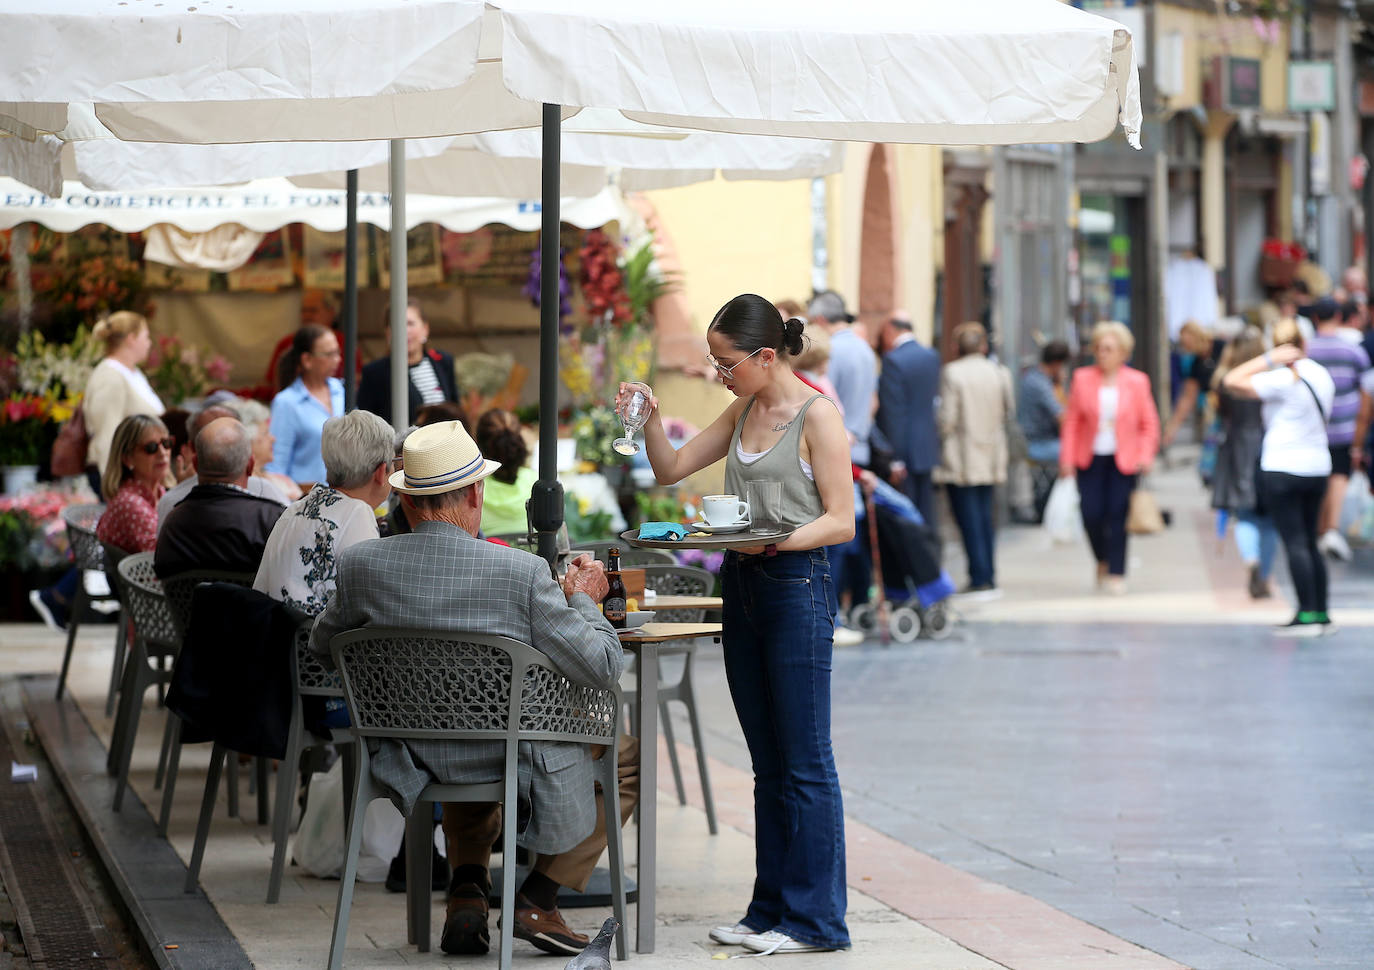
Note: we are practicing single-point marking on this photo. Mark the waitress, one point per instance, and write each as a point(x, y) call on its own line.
point(309, 396)
point(778, 628)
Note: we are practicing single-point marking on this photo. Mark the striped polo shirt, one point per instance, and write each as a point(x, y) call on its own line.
point(1346, 362)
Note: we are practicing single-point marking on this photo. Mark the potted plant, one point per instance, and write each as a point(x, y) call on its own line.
point(26, 428)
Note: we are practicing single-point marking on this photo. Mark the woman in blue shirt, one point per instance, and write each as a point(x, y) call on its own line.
point(309, 397)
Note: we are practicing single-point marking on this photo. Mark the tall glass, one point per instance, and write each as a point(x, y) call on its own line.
point(634, 414)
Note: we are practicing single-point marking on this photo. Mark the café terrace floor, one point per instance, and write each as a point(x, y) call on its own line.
point(906, 910)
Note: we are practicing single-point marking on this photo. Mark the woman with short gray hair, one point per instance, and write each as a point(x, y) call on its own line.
point(257, 419)
point(299, 563)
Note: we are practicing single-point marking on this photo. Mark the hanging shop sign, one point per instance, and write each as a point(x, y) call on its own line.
point(1311, 86)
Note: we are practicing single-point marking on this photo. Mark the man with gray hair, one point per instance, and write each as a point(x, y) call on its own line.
point(220, 524)
point(299, 564)
point(257, 485)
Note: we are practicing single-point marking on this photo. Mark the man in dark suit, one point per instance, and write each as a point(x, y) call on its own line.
point(219, 524)
point(431, 372)
point(907, 388)
point(443, 578)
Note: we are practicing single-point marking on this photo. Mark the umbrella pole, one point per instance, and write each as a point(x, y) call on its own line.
point(350, 368)
point(546, 501)
point(400, 373)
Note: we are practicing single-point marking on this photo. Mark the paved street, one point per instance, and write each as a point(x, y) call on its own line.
point(1201, 794)
point(1193, 784)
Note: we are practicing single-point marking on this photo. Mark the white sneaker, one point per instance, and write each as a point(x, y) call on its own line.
point(731, 935)
point(1333, 544)
point(776, 941)
point(845, 637)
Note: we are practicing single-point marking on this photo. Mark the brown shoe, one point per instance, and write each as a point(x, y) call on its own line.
point(546, 929)
point(465, 926)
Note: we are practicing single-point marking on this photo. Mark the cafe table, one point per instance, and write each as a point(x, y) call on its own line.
point(682, 601)
point(645, 642)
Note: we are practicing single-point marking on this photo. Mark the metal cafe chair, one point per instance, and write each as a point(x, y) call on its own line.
point(688, 581)
point(408, 685)
point(311, 679)
point(88, 555)
point(179, 590)
point(155, 639)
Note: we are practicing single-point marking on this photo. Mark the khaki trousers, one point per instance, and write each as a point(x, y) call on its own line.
point(472, 828)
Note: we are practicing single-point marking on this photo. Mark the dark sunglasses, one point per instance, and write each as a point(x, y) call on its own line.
point(151, 447)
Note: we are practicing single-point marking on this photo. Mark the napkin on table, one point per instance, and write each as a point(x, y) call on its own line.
point(663, 531)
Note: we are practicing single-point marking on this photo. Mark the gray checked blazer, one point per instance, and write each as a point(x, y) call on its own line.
point(443, 579)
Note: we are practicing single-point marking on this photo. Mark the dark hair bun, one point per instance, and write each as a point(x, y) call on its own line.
point(792, 335)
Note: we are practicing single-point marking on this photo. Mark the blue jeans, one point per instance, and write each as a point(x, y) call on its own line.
point(778, 630)
point(1257, 541)
point(972, 507)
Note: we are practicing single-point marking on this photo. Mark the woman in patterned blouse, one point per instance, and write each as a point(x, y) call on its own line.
point(139, 463)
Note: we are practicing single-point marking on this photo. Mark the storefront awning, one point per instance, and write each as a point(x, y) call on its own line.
point(268, 204)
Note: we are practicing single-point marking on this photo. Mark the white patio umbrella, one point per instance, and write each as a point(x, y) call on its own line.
point(984, 72)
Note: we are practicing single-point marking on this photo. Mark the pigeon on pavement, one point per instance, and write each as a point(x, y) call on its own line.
point(597, 955)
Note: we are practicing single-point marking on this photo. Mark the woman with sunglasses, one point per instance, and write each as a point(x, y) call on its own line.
point(309, 395)
point(778, 628)
point(135, 478)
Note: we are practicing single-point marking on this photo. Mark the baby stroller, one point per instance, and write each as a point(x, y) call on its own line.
point(911, 591)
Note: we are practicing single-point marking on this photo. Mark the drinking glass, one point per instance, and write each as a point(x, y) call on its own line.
point(634, 414)
point(765, 504)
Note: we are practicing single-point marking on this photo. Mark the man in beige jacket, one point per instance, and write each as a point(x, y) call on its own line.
point(976, 406)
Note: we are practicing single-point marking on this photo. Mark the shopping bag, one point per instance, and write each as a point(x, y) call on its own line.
point(1062, 519)
point(1358, 502)
point(1144, 517)
point(319, 845)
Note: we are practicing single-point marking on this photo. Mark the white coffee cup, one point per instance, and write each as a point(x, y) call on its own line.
point(719, 510)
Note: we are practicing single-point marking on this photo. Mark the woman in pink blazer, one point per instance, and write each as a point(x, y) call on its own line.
point(1109, 438)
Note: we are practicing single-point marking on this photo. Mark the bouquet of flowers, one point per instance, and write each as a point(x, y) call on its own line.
point(1279, 261)
point(27, 424)
point(1289, 252)
point(32, 533)
point(178, 373)
point(593, 431)
point(45, 367)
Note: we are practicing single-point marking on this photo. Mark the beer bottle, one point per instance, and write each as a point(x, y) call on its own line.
point(613, 606)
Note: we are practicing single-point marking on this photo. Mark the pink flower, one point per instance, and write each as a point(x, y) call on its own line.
point(217, 369)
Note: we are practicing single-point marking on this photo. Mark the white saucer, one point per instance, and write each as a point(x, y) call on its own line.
point(720, 529)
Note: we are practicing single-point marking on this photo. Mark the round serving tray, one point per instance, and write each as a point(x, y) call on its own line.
point(733, 540)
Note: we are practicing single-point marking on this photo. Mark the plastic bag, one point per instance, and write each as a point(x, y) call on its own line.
point(1062, 520)
point(1357, 507)
point(319, 845)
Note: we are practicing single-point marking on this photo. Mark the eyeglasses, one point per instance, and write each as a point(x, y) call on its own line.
point(151, 447)
point(325, 353)
point(728, 372)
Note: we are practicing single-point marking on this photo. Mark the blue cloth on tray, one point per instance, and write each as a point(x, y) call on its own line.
point(663, 531)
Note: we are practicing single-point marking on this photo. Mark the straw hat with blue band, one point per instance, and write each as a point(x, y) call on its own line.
point(438, 458)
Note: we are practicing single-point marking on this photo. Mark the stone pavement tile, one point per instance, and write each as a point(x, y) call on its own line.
point(1048, 941)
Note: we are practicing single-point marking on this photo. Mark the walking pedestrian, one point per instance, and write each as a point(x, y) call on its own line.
point(976, 405)
point(777, 619)
point(1295, 462)
point(907, 388)
point(1235, 482)
point(1346, 362)
point(1110, 438)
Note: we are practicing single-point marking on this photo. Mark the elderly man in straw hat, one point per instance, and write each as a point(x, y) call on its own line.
point(441, 577)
